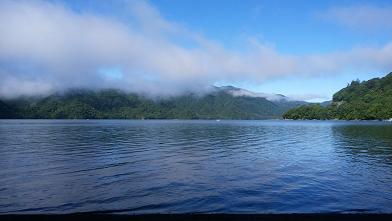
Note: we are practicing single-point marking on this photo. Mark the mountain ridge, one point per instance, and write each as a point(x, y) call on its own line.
point(220, 103)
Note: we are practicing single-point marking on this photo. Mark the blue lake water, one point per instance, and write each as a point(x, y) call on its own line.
point(126, 166)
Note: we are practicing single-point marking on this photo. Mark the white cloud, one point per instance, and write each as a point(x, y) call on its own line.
point(309, 97)
point(46, 47)
point(364, 17)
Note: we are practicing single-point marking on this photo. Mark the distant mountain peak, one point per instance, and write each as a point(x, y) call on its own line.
point(229, 88)
point(238, 92)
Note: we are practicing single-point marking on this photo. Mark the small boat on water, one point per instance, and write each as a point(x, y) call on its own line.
point(389, 120)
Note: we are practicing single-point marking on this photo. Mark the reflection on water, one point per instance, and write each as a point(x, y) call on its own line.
point(62, 166)
point(373, 142)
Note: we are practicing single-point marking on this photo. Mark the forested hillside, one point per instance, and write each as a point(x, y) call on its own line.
point(6, 111)
point(115, 104)
point(367, 100)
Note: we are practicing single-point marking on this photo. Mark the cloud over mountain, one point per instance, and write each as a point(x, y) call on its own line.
point(45, 47)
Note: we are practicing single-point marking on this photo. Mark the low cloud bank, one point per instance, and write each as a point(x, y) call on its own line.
point(47, 47)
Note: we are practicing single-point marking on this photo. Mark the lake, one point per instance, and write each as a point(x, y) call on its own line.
point(181, 166)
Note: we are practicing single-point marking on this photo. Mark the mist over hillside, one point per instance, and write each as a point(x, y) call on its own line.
point(218, 103)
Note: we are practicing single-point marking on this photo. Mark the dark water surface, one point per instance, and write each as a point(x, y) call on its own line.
point(63, 166)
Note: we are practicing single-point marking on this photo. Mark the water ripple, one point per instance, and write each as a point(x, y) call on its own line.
point(63, 166)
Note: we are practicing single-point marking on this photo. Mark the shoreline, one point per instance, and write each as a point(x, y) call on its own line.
point(216, 120)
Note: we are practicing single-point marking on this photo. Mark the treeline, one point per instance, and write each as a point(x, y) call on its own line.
point(367, 100)
point(115, 104)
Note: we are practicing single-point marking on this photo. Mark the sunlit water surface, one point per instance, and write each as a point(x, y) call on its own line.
point(125, 166)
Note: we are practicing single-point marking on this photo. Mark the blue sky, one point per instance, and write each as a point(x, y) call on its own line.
point(295, 27)
point(305, 49)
